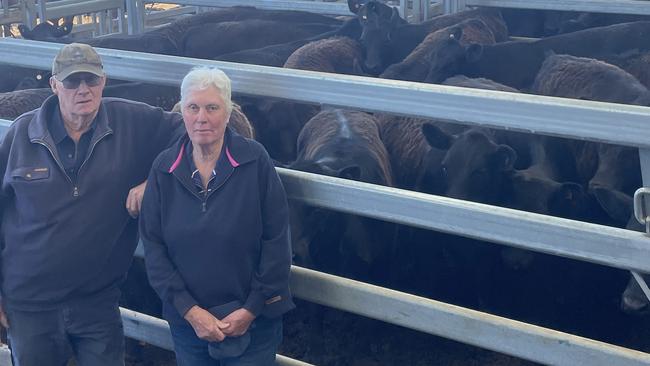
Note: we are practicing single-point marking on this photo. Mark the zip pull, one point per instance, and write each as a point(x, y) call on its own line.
point(75, 192)
point(204, 208)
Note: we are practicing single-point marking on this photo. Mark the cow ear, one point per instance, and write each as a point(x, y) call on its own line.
point(436, 137)
point(617, 205)
point(505, 158)
point(355, 5)
point(350, 172)
point(474, 52)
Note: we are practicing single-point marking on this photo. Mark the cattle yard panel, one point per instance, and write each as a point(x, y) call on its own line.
point(169, 70)
point(334, 8)
point(640, 7)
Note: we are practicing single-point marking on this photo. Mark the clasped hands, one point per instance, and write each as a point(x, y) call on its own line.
point(209, 328)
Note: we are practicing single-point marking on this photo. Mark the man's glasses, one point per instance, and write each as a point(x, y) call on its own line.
point(73, 81)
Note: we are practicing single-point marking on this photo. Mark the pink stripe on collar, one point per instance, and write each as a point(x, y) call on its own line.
point(178, 160)
point(233, 162)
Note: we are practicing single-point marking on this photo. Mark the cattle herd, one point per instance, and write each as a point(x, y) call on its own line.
point(585, 56)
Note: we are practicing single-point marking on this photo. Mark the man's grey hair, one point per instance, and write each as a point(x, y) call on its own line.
point(203, 77)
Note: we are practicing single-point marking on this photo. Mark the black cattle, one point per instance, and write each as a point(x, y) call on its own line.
point(635, 62)
point(277, 54)
point(535, 23)
point(162, 96)
point(177, 30)
point(336, 55)
point(343, 144)
point(517, 63)
point(214, 39)
point(439, 54)
point(47, 30)
point(149, 42)
point(590, 20)
point(388, 39)
point(617, 175)
point(18, 78)
point(586, 78)
point(13, 104)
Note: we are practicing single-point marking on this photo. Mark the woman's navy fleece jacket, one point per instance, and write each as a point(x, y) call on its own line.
point(229, 245)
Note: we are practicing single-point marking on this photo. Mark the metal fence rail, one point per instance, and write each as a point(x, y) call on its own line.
point(334, 8)
point(640, 7)
point(155, 331)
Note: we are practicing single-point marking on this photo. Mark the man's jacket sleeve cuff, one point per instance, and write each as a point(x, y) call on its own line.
point(183, 302)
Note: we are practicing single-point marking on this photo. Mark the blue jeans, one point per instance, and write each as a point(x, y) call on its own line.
point(266, 337)
point(91, 331)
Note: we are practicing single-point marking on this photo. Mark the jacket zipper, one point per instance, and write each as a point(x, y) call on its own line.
point(75, 192)
point(75, 187)
point(204, 199)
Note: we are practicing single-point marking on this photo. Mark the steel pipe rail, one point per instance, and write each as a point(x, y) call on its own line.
point(65, 8)
point(578, 119)
point(335, 8)
point(567, 238)
point(155, 331)
point(639, 7)
point(484, 330)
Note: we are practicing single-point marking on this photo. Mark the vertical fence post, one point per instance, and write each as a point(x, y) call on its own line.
point(29, 13)
point(644, 159)
point(135, 16)
point(42, 11)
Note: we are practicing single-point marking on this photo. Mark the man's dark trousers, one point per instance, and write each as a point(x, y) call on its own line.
point(91, 330)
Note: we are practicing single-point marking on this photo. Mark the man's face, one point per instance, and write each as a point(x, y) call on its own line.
point(80, 94)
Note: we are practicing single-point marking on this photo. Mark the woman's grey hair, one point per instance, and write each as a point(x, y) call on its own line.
point(203, 77)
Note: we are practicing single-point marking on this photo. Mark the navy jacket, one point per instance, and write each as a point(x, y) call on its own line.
point(63, 241)
point(229, 246)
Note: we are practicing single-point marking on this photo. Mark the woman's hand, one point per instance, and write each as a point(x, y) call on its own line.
point(239, 321)
point(205, 325)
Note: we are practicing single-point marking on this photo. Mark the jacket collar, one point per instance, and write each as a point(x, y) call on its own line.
point(238, 152)
point(38, 131)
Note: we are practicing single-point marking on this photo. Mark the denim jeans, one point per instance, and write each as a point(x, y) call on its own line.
point(90, 331)
point(266, 337)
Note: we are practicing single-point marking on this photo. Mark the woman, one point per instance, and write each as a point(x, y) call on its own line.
point(214, 223)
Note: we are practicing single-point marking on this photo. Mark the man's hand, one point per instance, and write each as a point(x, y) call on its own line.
point(205, 325)
point(3, 318)
point(239, 321)
point(134, 199)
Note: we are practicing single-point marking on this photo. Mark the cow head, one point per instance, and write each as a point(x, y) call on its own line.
point(446, 57)
point(378, 21)
point(474, 168)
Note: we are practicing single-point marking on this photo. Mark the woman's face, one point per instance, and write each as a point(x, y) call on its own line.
point(205, 115)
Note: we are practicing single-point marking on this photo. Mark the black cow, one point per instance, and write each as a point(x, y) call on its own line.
point(343, 144)
point(388, 39)
point(277, 54)
point(18, 78)
point(228, 37)
point(440, 53)
point(47, 30)
point(517, 63)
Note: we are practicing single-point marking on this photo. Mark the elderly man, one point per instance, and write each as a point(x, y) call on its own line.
point(68, 170)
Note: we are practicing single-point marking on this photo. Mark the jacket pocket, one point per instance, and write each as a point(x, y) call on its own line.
point(30, 173)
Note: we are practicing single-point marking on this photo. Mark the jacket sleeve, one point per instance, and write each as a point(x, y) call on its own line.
point(162, 272)
point(5, 148)
point(271, 277)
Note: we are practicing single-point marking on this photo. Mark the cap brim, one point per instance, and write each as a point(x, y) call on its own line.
point(79, 68)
